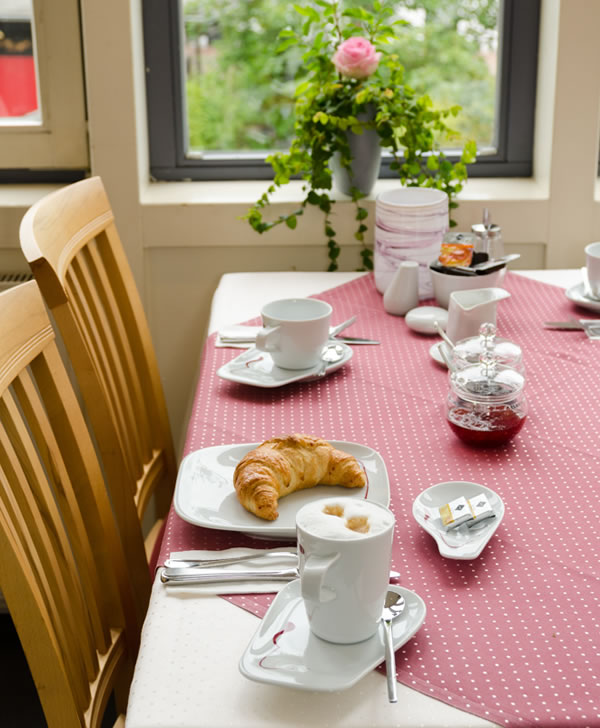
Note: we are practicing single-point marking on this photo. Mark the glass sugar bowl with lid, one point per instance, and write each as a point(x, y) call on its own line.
point(468, 352)
point(486, 404)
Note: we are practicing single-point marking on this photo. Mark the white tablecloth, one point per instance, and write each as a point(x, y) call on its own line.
point(187, 672)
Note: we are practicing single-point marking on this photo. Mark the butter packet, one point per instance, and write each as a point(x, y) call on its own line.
point(455, 513)
point(480, 509)
point(466, 510)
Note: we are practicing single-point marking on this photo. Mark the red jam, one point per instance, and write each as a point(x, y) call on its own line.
point(493, 426)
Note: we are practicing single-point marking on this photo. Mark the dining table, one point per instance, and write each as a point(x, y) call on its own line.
point(509, 638)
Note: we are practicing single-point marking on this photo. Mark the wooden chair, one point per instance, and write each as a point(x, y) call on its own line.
point(72, 245)
point(64, 570)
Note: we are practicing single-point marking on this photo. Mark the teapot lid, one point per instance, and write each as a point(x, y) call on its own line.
point(468, 351)
point(487, 381)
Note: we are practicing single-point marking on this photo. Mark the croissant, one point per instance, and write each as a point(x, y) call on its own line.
point(282, 465)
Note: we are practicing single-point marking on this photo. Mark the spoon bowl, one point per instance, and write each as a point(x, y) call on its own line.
point(330, 354)
point(393, 607)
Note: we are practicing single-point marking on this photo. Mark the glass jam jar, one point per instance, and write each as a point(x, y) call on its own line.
point(467, 352)
point(486, 404)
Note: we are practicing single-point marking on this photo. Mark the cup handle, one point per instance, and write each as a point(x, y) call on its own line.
point(311, 578)
point(268, 339)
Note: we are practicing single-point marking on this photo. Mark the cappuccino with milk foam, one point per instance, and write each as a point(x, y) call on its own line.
point(344, 518)
point(344, 550)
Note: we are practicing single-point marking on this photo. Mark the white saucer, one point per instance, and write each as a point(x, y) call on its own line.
point(575, 294)
point(434, 352)
point(462, 542)
point(256, 368)
point(285, 652)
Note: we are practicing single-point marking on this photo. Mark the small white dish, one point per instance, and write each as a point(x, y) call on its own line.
point(423, 319)
point(462, 542)
point(435, 354)
point(445, 283)
point(285, 652)
point(576, 294)
point(205, 496)
point(256, 368)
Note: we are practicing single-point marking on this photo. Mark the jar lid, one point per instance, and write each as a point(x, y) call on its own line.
point(468, 351)
point(490, 231)
point(487, 381)
point(463, 238)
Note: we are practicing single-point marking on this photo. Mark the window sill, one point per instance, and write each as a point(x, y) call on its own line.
point(247, 192)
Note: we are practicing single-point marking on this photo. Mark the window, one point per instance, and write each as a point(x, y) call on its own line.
point(219, 99)
point(43, 133)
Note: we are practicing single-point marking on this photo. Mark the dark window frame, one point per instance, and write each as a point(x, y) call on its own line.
point(165, 105)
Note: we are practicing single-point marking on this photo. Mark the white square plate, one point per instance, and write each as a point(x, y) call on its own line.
point(205, 496)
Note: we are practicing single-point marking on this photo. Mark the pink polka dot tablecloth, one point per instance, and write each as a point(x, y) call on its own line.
point(514, 635)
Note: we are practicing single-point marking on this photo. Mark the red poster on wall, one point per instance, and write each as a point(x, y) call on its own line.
point(18, 92)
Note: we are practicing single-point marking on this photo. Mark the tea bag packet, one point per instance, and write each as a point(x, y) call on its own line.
point(455, 513)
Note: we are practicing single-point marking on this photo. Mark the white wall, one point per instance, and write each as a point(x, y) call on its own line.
point(181, 237)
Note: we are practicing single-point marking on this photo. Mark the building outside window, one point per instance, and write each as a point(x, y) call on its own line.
point(43, 128)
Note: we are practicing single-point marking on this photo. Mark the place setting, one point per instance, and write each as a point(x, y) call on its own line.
point(330, 502)
point(296, 343)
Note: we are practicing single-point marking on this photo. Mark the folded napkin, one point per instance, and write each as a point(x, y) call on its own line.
point(236, 336)
point(284, 561)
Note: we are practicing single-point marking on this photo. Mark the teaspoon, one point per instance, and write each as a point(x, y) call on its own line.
point(393, 606)
point(329, 355)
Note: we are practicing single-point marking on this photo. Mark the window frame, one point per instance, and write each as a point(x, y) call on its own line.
point(55, 150)
point(163, 28)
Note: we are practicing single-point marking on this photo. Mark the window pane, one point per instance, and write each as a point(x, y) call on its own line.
point(18, 84)
point(239, 93)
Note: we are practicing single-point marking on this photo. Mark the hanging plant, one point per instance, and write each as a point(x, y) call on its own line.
point(351, 84)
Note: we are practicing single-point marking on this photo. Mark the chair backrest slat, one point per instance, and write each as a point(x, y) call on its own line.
point(95, 331)
point(60, 484)
point(113, 349)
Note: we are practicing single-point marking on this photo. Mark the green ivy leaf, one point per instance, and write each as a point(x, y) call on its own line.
point(432, 163)
point(291, 222)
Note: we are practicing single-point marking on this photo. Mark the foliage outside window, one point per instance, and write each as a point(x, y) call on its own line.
point(240, 93)
point(215, 59)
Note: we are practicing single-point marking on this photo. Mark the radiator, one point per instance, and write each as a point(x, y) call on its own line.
point(8, 280)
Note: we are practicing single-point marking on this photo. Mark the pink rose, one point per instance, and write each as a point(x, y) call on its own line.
point(356, 57)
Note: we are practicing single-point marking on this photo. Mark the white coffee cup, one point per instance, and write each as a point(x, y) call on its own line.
point(294, 332)
point(344, 573)
point(592, 263)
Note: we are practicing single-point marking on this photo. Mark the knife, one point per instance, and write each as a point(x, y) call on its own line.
point(353, 340)
point(573, 324)
point(343, 339)
point(192, 575)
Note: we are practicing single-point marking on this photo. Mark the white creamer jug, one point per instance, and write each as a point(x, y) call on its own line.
point(469, 309)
